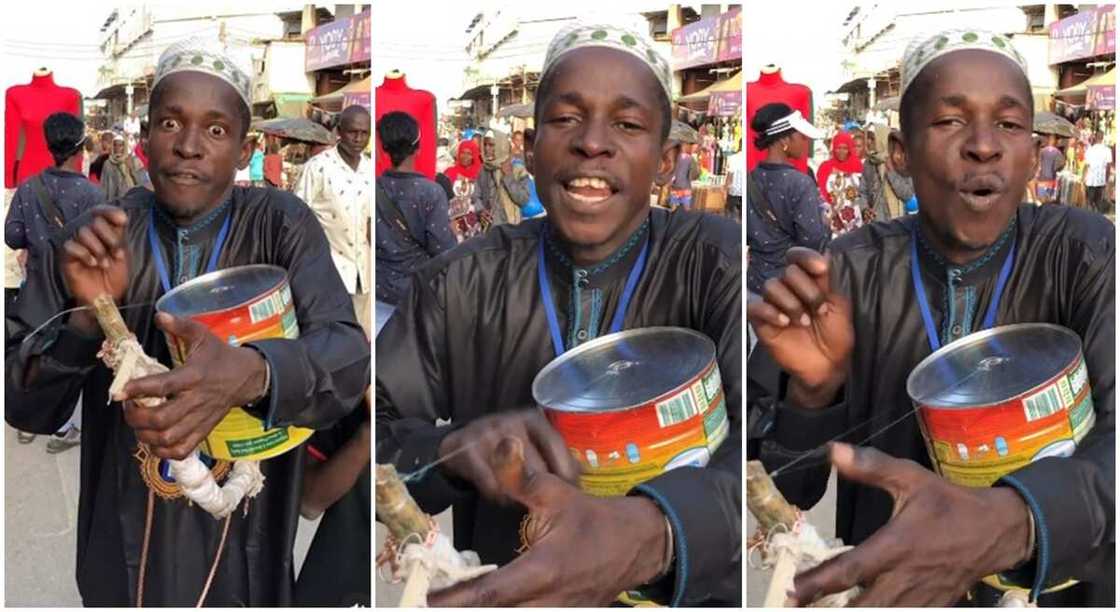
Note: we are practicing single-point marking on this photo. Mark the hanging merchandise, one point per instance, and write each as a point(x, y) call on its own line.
point(394, 94)
point(26, 107)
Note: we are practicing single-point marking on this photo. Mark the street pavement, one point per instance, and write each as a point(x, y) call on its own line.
point(822, 516)
point(40, 525)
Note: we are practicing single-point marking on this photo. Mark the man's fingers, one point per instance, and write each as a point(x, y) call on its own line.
point(805, 288)
point(110, 235)
point(77, 252)
point(553, 449)
point(521, 580)
point(780, 296)
point(113, 214)
point(161, 385)
point(869, 466)
point(760, 313)
point(182, 327)
point(857, 566)
point(814, 264)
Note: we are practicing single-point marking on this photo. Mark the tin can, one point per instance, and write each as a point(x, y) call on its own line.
point(239, 305)
point(994, 401)
point(634, 404)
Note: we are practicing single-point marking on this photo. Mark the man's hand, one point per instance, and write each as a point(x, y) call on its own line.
point(215, 378)
point(469, 450)
point(806, 327)
point(584, 550)
point(95, 259)
point(942, 538)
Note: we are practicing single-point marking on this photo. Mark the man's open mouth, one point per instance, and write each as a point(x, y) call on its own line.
point(589, 189)
point(184, 177)
point(981, 192)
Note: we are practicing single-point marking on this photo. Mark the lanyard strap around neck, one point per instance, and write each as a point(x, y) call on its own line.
point(923, 301)
point(550, 304)
point(161, 261)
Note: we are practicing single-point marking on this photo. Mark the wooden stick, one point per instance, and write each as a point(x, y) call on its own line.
point(398, 511)
point(765, 502)
point(395, 507)
point(112, 324)
point(785, 568)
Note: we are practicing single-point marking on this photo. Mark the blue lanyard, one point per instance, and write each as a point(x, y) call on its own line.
point(550, 306)
point(161, 262)
point(923, 303)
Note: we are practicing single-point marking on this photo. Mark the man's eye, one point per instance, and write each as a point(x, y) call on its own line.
point(1010, 125)
point(629, 126)
point(169, 124)
point(217, 131)
point(563, 120)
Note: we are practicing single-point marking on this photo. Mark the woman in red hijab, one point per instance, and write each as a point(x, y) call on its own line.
point(839, 178)
point(461, 177)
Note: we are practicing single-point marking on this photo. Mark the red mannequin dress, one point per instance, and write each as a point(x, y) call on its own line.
point(26, 107)
point(394, 94)
point(770, 88)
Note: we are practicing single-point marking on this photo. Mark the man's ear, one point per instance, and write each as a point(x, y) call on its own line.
point(246, 152)
point(668, 162)
point(900, 160)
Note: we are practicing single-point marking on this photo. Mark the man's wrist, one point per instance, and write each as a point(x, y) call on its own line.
point(1017, 528)
point(655, 539)
point(259, 379)
point(814, 396)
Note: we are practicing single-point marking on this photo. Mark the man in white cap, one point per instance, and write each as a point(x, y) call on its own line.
point(473, 331)
point(132, 548)
point(847, 329)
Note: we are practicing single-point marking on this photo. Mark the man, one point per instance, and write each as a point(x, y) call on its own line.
point(194, 222)
point(472, 334)
point(848, 329)
point(735, 181)
point(884, 189)
point(40, 208)
point(1051, 161)
point(686, 171)
point(121, 172)
point(412, 225)
point(105, 148)
point(336, 185)
point(1098, 163)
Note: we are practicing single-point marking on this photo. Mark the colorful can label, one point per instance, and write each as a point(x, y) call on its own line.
point(974, 447)
point(241, 436)
point(619, 449)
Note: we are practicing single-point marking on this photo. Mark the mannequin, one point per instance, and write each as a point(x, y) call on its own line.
point(770, 87)
point(26, 107)
point(394, 94)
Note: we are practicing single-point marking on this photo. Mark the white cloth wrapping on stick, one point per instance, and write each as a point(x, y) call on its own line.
point(128, 361)
point(426, 568)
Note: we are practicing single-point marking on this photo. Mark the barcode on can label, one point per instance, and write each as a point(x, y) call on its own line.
point(698, 395)
point(712, 384)
point(270, 306)
point(676, 409)
point(1042, 404)
point(1078, 378)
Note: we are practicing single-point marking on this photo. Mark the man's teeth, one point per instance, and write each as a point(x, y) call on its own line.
point(586, 181)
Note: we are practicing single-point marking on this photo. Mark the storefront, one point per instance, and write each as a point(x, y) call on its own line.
point(338, 55)
point(707, 57)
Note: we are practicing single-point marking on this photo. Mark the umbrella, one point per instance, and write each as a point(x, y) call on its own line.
point(523, 111)
point(683, 133)
point(296, 129)
point(1049, 123)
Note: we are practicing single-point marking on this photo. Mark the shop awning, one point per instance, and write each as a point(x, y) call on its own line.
point(1108, 79)
point(288, 105)
point(354, 87)
point(478, 91)
point(732, 85)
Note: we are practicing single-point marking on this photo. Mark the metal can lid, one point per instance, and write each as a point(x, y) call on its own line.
point(221, 290)
point(623, 370)
point(993, 366)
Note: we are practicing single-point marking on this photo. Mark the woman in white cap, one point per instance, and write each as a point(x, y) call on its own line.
point(784, 206)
